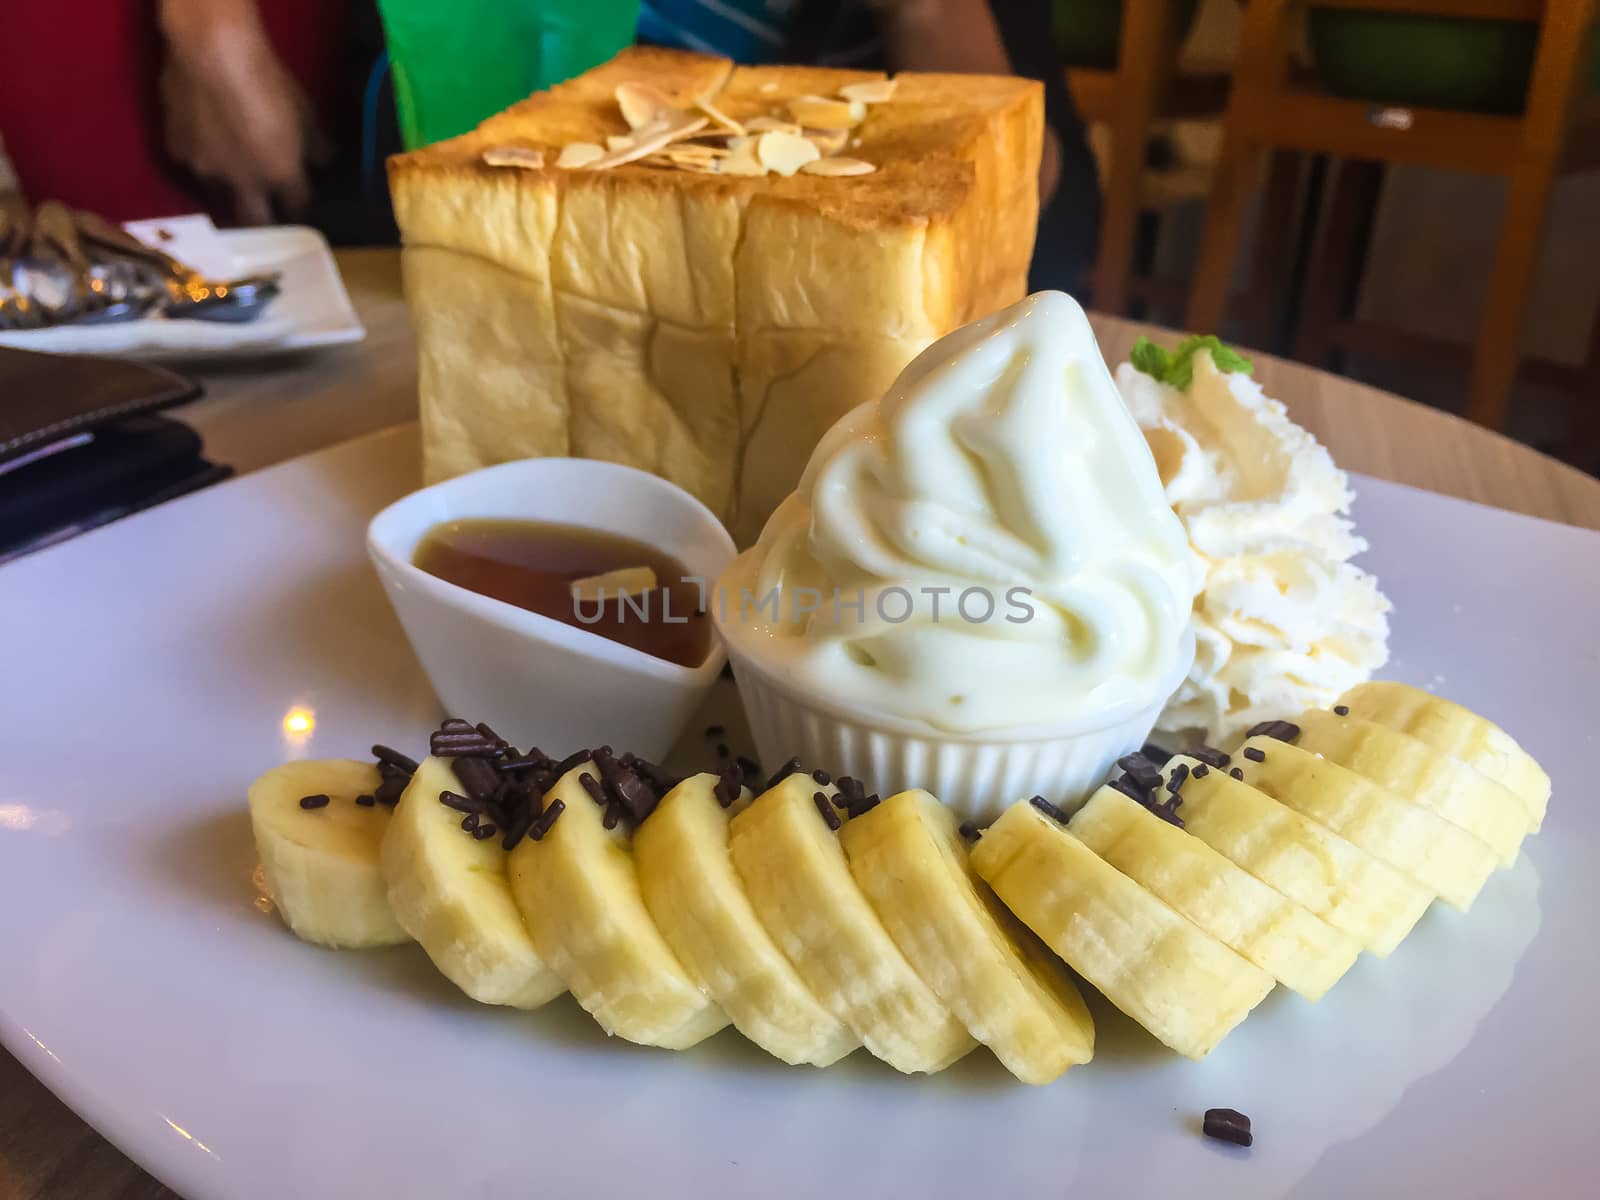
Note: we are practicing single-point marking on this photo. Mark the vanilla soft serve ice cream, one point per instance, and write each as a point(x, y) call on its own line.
point(985, 548)
point(1284, 620)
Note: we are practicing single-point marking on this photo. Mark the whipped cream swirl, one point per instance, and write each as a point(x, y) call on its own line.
point(1284, 621)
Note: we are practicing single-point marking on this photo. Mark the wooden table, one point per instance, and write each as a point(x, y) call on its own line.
point(263, 413)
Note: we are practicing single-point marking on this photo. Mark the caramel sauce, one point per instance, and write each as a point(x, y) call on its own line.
point(532, 565)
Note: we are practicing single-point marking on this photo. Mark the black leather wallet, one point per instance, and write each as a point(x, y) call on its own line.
point(78, 447)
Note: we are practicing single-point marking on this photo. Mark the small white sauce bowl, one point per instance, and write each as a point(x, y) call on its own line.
point(535, 680)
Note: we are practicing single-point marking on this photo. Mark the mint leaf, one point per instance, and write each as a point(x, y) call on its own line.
point(1175, 368)
point(1149, 358)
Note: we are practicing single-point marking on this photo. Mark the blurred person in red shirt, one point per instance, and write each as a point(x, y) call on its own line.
point(134, 108)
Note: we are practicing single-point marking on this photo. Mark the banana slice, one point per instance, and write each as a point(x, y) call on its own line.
point(450, 892)
point(1459, 732)
point(1490, 811)
point(579, 893)
point(1300, 950)
point(696, 900)
point(1317, 869)
point(322, 863)
point(1181, 984)
point(799, 884)
point(909, 858)
point(1442, 857)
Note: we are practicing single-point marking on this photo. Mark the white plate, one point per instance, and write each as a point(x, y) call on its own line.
point(148, 668)
point(312, 310)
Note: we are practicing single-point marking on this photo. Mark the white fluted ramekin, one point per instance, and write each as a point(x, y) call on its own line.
point(979, 774)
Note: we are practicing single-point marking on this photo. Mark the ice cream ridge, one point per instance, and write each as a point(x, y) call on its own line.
point(985, 553)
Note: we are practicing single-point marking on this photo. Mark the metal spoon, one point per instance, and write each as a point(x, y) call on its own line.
point(191, 295)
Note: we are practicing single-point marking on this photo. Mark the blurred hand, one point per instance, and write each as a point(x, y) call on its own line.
point(232, 113)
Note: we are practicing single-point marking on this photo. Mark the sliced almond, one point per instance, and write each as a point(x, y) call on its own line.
point(647, 139)
point(785, 153)
point(820, 112)
point(640, 103)
point(827, 141)
point(858, 111)
point(628, 581)
point(769, 87)
point(874, 91)
point(838, 166)
point(576, 155)
point(618, 141)
point(771, 125)
point(525, 157)
point(742, 158)
point(721, 119)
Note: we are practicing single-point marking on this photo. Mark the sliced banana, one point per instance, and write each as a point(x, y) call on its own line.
point(909, 858)
point(1300, 950)
point(321, 863)
point(579, 893)
point(1316, 868)
point(696, 900)
point(799, 884)
point(1490, 811)
point(1180, 983)
point(1456, 731)
point(1438, 854)
point(450, 892)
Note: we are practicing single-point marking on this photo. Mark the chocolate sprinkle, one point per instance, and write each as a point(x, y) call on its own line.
point(597, 793)
point(1283, 731)
point(862, 806)
point(1255, 754)
point(1341, 710)
point(750, 769)
point(851, 791)
point(1130, 789)
point(1142, 771)
point(820, 799)
point(1156, 754)
point(782, 773)
point(1227, 1125)
point(1211, 756)
point(729, 782)
point(320, 800)
point(469, 823)
point(822, 777)
point(715, 731)
point(613, 816)
point(570, 761)
point(483, 833)
point(534, 760)
point(1175, 782)
point(969, 831)
point(1236, 773)
point(393, 758)
point(366, 800)
point(480, 780)
point(1048, 809)
point(545, 822)
point(517, 828)
point(463, 804)
point(1201, 771)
